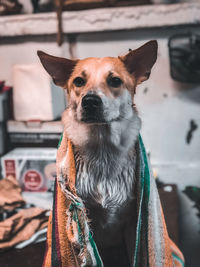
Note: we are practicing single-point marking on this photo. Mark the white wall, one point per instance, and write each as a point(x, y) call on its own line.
point(23, 50)
point(166, 110)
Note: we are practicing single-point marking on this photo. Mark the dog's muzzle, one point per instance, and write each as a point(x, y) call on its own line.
point(92, 107)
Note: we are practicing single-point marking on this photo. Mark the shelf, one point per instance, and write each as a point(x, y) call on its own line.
point(103, 19)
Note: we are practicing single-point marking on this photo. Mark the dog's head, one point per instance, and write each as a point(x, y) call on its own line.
point(100, 89)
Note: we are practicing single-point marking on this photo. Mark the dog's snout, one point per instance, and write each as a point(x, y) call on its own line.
point(92, 108)
point(91, 102)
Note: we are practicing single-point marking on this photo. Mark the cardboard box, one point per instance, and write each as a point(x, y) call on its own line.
point(34, 168)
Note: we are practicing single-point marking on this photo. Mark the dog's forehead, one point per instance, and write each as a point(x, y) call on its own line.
point(104, 65)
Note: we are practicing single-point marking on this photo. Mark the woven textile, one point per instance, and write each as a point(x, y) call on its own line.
point(69, 241)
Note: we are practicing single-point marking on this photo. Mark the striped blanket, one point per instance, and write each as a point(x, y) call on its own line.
point(69, 240)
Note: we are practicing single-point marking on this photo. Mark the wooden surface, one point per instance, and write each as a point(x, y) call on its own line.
point(102, 19)
point(30, 256)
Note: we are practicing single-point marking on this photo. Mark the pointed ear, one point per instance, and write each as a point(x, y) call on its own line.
point(140, 61)
point(58, 68)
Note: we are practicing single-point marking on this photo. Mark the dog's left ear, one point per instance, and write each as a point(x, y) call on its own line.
point(140, 61)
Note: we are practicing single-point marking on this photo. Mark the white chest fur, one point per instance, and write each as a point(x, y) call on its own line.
point(105, 179)
point(106, 185)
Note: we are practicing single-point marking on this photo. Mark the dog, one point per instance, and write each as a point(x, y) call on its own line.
point(103, 124)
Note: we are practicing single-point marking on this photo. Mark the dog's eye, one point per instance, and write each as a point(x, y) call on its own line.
point(79, 82)
point(114, 81)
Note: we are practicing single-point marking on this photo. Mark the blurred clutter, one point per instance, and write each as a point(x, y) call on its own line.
point(28, 169)
point(19, 221)
point(10, 7)
point(29, 136)
point(5, 114)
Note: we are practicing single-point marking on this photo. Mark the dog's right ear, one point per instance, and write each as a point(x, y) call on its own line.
point(58, 68)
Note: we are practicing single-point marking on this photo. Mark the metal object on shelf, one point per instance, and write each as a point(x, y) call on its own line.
point(184, 53)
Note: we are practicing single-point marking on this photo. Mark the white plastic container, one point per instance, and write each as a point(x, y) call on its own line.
point(35, 96)
point(34, 168)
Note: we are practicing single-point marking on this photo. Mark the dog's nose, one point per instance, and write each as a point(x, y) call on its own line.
point(91, 102)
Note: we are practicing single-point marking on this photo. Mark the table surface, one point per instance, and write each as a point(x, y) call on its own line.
point(30, 256)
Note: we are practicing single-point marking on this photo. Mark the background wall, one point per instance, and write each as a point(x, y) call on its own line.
point(165, 106)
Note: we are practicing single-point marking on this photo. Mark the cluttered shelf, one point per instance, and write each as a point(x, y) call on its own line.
point(102, 19)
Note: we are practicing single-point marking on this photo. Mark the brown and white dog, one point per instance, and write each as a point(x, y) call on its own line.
point(103, 125)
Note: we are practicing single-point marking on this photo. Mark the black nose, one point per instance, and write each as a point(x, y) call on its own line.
point(91, 102)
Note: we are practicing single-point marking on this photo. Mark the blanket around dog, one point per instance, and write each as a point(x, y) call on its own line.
point(69, 240)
